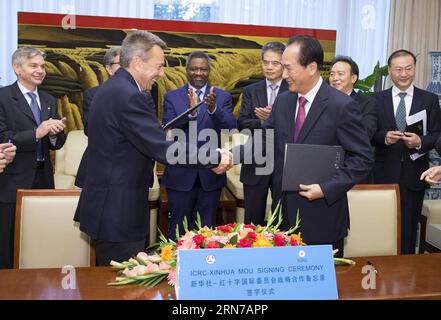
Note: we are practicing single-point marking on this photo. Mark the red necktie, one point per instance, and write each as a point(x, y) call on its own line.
point(300, 117)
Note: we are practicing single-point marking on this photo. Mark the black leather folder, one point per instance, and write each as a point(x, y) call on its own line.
point(416, 128)
point(308, 164)
point(175, 122)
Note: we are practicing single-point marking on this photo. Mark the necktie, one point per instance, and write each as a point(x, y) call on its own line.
point(273, 88)
point(36, 112)
point(300, 117)
point(199, 94)
point(400, 116)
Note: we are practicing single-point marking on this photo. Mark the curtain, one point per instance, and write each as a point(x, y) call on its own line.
point(415, 25)
point(362, 25)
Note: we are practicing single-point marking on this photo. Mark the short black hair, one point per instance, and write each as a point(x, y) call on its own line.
point(400, 53)
point(197, 54)
point(310, 50)
point(348, 60)
point(277, 47)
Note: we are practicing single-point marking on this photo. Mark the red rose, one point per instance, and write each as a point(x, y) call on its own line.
point(244, 243)
point(212, 245)
point(179, 243)
point(279, 240)
point(224, 229)
point(252, 235)
point(198, 239)
point(250, 226)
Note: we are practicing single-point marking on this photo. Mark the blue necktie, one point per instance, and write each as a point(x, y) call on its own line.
point(400, 115)
point(36, 112)
point(198, 93)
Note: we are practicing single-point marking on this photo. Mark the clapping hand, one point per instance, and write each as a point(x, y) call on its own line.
point(192, 98)
point(57, 126)
point(210, 100)
point(263, 113)
point(9, 151)
point(7, 154)
point(226, 163)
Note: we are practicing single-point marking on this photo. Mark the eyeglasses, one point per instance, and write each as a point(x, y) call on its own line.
point(401, 70)
point(114, 63)
point(266, 63)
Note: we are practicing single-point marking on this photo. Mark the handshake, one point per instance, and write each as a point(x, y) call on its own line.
point(7, 154)
point(226, 163)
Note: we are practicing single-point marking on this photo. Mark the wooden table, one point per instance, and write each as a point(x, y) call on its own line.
point(400, 277)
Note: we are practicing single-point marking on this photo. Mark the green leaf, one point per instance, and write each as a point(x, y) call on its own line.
point(198, 221)
point(185, 224)
point(141, 262)
point(233, 239)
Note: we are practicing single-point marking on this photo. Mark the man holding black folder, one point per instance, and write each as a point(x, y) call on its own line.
point(401, 151)
point(314, 113)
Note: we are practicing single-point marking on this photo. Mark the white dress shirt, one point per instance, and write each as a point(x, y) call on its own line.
point(407, 99)
point(25, 91)
point(269, 90)
point(310, 96)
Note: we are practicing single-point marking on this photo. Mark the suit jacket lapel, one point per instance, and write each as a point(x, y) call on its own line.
point(283, 87)
point(318, 106)
point(416, 101)
point(44, 108)
point(291, 115)
point(387, 96)
point(262, 97)
point(183, 95)
point(21, 102)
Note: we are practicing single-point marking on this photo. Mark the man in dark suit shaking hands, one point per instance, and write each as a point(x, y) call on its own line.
point(29, 119)
point(124, 137)
point(312, 112)
point(257, 101)
point(394, 144)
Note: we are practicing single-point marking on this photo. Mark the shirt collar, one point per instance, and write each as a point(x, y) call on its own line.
point(25, 91)
point(139, 87)
point(203, 89)
point(310, 96)
point(396, 91)
point(269, 83)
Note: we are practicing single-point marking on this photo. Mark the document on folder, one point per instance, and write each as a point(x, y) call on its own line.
point(308, 164)
point(180, 117)
point(417, 123)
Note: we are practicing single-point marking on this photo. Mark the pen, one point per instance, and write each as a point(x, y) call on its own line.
point(371, 264)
